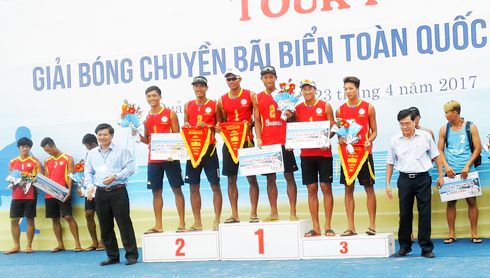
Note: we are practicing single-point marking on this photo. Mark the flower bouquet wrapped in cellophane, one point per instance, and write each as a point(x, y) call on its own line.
point(22, 179)
point(79, 177)
point(348, 129)
point(131, 116)
point(286, 99)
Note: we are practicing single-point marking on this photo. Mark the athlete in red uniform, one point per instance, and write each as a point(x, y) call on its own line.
point(57, 167)
point(237, 106)
point(363, 113)
point(271, 129)
point(23, 205)
point(201, 112)
point(162, 120)
point(316, 162)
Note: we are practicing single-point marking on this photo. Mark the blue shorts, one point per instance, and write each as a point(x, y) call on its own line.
point(210, 164)
point(156, 171)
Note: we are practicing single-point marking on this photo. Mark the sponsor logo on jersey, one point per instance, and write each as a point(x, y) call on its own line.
point(243, 102)
point(319, 110)
point(362, 111)
point(164, 119)
point(267, 123)
point(208, 110)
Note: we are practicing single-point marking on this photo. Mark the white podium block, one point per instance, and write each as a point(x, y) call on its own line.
point(262, 241)
point(360, 246)
point(187, 246)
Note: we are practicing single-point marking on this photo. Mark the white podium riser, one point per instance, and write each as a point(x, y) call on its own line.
point(360, 246)
point(188, 246)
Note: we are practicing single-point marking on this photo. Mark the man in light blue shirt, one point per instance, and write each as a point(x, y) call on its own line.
point(413, 150)
point(107, 169)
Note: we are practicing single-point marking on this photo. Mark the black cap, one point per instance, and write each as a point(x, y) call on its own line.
point(200, 79)
point(415, 110)
point(268, 69)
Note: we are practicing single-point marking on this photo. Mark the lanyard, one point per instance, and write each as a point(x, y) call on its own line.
point(105, 157)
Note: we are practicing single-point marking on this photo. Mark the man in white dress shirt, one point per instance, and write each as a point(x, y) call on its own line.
point(413, 150)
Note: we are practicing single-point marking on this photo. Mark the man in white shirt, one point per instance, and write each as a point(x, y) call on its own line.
point(413, 150)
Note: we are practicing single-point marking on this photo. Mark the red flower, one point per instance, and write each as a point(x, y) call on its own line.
point(25, 173)
point(292, 87)
point(346, 124)
point(131, 110)
point(282, 84)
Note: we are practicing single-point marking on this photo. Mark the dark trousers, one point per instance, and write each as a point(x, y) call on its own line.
point(408, 188)
point(110, 205)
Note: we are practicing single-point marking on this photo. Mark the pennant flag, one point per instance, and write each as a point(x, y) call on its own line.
point(234, 135)
point(352, 163)
point(196, 140)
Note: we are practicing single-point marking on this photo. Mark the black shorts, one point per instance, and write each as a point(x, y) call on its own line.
point(289, 160)
point(54, 206)
point(210, 164)
point(230, 168)
point(314, 166)
point(89, 205)
point(366, 174)
point(156, 171)
point(23, 207)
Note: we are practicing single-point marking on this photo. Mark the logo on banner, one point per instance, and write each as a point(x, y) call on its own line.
point(234, 135)
point(164, 119)
point(196, 140)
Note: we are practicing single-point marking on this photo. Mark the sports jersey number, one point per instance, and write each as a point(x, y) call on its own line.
point(272, 111)
point(199, 118)
point(22, 167)
point(55, 164)
point(236, 116)
point(462, 138)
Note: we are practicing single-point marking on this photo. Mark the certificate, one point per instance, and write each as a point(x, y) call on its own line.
point(308, 135)
point(456, 188)
point(265, 160)
point(51, 187)
point(165, 145)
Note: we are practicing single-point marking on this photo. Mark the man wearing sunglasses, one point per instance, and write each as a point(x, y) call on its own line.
point(236, 106)
point(270, 130)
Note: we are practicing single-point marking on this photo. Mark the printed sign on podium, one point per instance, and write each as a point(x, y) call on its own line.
point(279, 240)
point(187, 246)
point(360, 246)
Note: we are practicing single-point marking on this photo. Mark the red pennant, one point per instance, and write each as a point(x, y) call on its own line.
point(352, 163)
point(196, 140)
point(234, 135)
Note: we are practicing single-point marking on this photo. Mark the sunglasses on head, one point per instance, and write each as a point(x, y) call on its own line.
point(234, 78)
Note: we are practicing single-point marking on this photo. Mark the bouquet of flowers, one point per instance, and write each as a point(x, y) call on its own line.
point(347, 129)
point(131, 117)
point(79, 177)
point(486, 147)
point(22, 179)
point(285, 99)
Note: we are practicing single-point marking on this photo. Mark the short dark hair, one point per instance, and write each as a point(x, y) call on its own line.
point(352, 79)
point(153, 88)
point(405, 113)
point(24, 141)
point(89, 139)
point(47, 141)
point(415, 110)
point(104, 126)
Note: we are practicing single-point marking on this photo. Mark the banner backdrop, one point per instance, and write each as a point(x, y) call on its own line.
point(66, 66)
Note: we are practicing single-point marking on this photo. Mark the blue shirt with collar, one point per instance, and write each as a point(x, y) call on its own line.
point(114, 161)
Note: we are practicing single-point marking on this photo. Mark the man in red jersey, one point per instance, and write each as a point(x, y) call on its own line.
point(236, 106)
point(270, 130)
point(316, 162)
point(23, 205)
point(201, 112)
point(363, 114)
point(162, 120)
point(57, 167)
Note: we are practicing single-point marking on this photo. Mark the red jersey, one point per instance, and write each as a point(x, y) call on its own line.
point(159, 123)
point(29, 165)
point(360, 114)
point(202, 113)
point(56, 169)
point(273, 127)
point(239, 109)
point(315, 113)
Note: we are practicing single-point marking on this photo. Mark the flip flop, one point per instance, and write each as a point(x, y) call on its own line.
point(152, 231)
point(56, 250)
point(370, 232)
point(270, 219)
point(293, 218)
point(91, 248)
point(476, 240)
point(348, 233)
point(100, 248)
point(312, 233)
point(329, 232)
point(215, 228)
point(180, 230)
point(449, 240)
point(254, 220)
point(11, 252)
point(29, 250)
point(194, 229)
point(78, 249)
point(231, 220)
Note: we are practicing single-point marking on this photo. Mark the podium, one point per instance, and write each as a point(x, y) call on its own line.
point(279, 240)
point(339, 247)
point(187, 246)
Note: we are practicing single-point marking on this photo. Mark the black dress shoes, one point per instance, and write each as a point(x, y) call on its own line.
point(402, 252)
point(109, 261)
point(429, 254)
point(130, 261)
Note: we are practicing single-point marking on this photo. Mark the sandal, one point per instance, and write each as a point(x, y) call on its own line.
point(231, 220)
point(449, 240)
point(370, 232)
point(293, 218)
point(329, 232)
point(78, 249)
point(56, 250)
point(348, 233)
point(91, 248)
point(254, 220)
point(102, 248)
point(180, 230)
point(29, 250)
point(476, 240)
point(152, 231)
point(312, 233)
point(270, 219)
point(215, 228)
point(193, 229)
